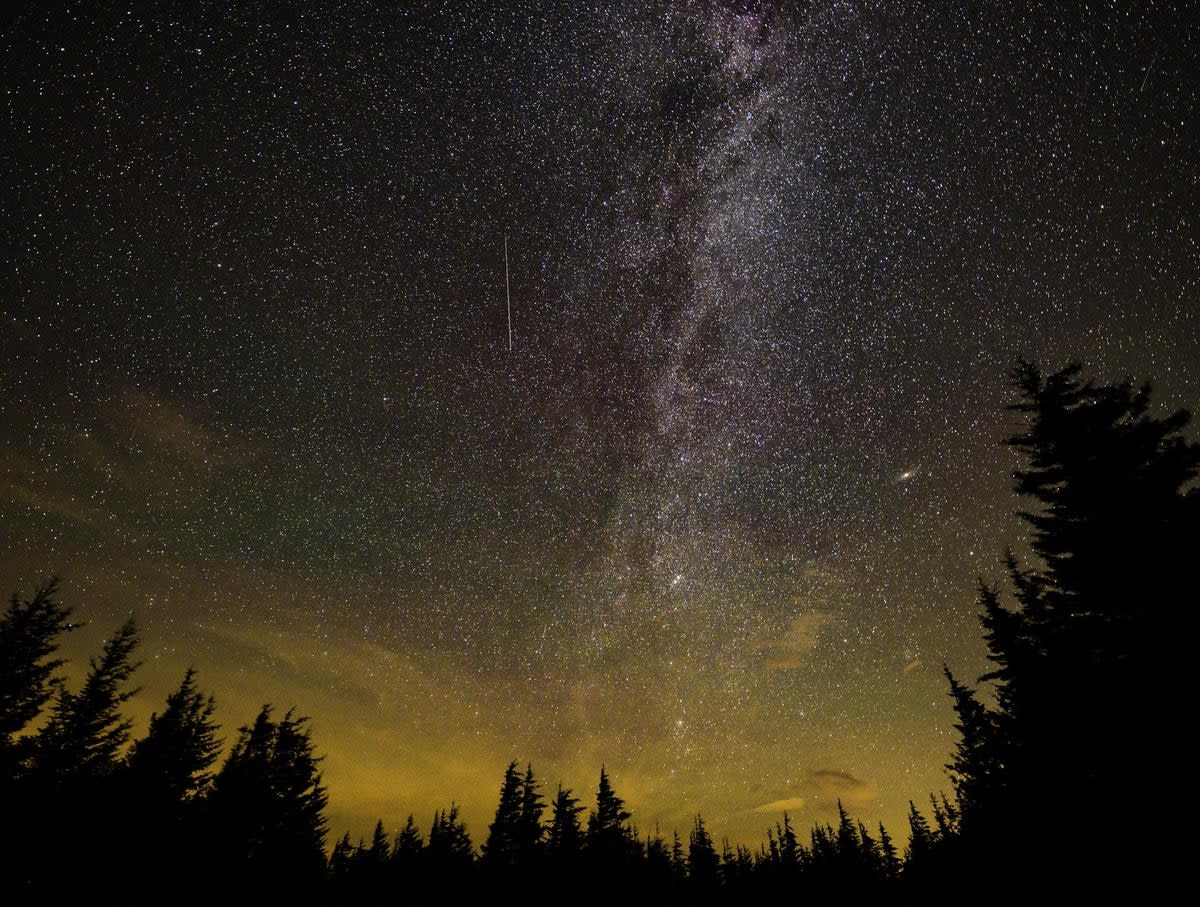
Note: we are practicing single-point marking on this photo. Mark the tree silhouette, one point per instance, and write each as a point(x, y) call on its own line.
point(266, 809)
point(500, 848)
point(529, 830)
point(166, 775)
point(890, 857)
point(704, 866)
point(406, 852)
point(606, 829)
point(1113, 525)
point(565, 837)
point(610, 846)
point(660, 876)
point(29, 633)
point(86, 732)
point(449, 856)
point(1039, 752)
point(72, 772)
point(171, 763)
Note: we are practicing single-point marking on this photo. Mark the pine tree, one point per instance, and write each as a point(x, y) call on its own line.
point(380, 848)
point(678, 859)
point(1114, 524)
point(171, 764)
point(737, 867)
point(789, 846)
point(890, 857)
point(166, 774)
point(341, 861)
point(83, 738)
point(849, 850)
point(659, 871)
point(611, 845)
point(500, 848)
point(406, 850)
point(29, 633)
point(266, 809)
point(565, 837)
point(606, 824)
point(703, 864)
point(920, 849)
point(449, 856)
point(529, 827)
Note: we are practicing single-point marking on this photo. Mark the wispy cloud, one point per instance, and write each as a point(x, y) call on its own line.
point(137, 447)
point(791, 804)
point(789, 649)
point(819, 790)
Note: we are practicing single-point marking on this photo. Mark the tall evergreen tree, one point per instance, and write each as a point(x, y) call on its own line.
point(500, 848)
point(889, 856)
point(266, 809)
point(919, 852)
point(29, 633)
point(607, 822)
point(704, 866)
point(789, 846)
point(1115, 520)
point(608, 842)
point(529, 825)
point(86, 732)
point(406, 849)
point(660, 876)
point(166, 775)
point(678, 857)
point(565, 837)
point(172, 763)
point(449, 855)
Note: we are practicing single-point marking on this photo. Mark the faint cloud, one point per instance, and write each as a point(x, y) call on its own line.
point(137, 449)
point(913, 665)
point(162, 426)
point(26, 484)
point(818, 792)
point(779, 806)
point(831, 779)
point(789, 649)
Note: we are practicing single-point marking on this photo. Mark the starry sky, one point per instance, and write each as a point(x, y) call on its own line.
point(716, 519)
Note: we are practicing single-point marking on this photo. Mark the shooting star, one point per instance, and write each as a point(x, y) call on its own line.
point(1153, 57)
point(507, 294)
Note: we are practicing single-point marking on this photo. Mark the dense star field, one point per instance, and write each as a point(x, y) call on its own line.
point(716, 519)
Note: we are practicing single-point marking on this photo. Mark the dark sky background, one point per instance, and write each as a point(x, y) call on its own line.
point(716, 520)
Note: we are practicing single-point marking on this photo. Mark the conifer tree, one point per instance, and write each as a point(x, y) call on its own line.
point(565, 836)
point(919, 852)
point(1114, 524)
point(171, 764)
point(449, 854)
point(789, 846)
point(702, 861)
point(29, 633)
point(266, 809)
point(678, 859)
point(500, 848)
point(889, 856)
point(529, 831)
point(409, 842)
point(606, 824)
point(84, 736)
point(610, 845)
point(341, 860)
point(659, 872)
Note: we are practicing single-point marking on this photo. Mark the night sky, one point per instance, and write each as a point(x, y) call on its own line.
point(717, 518)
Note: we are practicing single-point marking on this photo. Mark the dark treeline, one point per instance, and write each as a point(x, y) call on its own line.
point(1047, 748)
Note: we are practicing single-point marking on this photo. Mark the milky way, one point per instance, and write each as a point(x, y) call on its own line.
point(716, 520)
